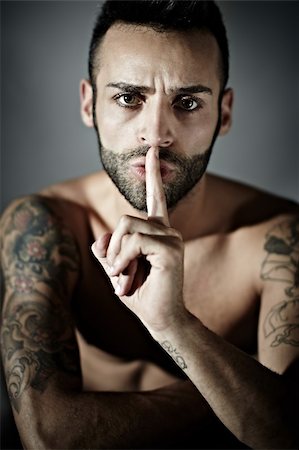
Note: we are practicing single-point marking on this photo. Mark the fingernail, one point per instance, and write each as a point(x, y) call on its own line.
point(111, 270)
point(94, 248)
point(117, 289)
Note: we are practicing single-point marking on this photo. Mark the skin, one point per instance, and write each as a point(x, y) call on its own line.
point(120, 252)
point(144, 66)
point(159, 121)
point(224, 375)
point(229, 290)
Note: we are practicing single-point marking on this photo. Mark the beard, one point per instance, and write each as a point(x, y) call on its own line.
point(188, 172)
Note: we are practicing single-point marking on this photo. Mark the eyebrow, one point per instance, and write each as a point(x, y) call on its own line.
point(129, 87)
point(195, 89)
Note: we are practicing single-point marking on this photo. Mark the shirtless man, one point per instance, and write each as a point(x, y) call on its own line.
point(209, 267)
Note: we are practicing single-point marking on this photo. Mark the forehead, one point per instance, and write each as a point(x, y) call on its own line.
point(141, 53)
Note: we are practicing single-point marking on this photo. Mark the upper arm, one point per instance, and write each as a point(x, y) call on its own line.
point(40, 263)
point(278, 333)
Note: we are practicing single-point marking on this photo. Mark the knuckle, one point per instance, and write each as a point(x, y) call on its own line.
point(125, 221)
point(110, 258)
point(175, 233)
point(111, 254)
point(180, 244)
point(175, 249)
point(137, 236)
point(125, 239)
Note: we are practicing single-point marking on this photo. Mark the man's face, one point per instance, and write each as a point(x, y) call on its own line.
point(156, 89)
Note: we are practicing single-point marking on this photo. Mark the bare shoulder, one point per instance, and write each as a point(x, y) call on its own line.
point(47, 236)
point(37, 247)
point(24, 213)
point(260, 215)
point(80, 190)
point(247, 206)
point(34, 243)
point(260, 225)
point(33, 214)
point(69, 202)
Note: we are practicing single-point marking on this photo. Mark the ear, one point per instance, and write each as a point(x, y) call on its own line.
point(226, 111)
point(86, 97)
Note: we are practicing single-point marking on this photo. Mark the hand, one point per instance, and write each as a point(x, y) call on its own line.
point(144, 258)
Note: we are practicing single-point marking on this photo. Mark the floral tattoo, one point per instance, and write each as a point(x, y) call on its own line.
point(39, 263)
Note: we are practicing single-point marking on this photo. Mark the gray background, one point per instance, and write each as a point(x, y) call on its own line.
point(44, 55)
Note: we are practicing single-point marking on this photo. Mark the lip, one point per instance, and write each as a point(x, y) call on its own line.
point(138, 169)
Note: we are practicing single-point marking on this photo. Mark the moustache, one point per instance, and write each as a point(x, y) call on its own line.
point(166, 154)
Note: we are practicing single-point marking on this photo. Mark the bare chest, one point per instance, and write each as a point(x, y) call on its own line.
point(117, 353)
point(219, 289)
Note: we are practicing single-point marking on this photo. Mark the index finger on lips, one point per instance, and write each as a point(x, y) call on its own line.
point(155, 196)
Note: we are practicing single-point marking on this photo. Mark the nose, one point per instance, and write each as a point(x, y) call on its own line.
point(156, 127)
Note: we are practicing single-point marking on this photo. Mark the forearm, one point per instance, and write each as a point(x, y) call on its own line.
point(246, 396)
point(151, 419)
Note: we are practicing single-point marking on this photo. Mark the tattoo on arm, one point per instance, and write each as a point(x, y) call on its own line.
point(282, 323)
point(39, 263)
point(281, 264)
point(172, 351)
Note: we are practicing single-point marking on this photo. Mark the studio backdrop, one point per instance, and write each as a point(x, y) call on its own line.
point(44, 49)
point(44, 55)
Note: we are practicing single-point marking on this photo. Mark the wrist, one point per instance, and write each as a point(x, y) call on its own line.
point(172, 338)
point(175, 327)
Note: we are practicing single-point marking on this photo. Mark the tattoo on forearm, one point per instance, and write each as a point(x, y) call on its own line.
point(281, 264)
point(39, 257)
point(172, 351)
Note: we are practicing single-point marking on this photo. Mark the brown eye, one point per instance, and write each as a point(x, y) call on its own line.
point(188, 103)
point(128, 100)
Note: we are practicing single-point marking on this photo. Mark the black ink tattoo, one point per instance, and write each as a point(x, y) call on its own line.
point(172, 351)
point(282, 323)
point(282, 260)
point(39, 263)
point(282, 265)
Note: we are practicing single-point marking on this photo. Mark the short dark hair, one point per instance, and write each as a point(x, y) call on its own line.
point(162, 15)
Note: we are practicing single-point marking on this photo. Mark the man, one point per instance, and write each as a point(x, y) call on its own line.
point(209, 267)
